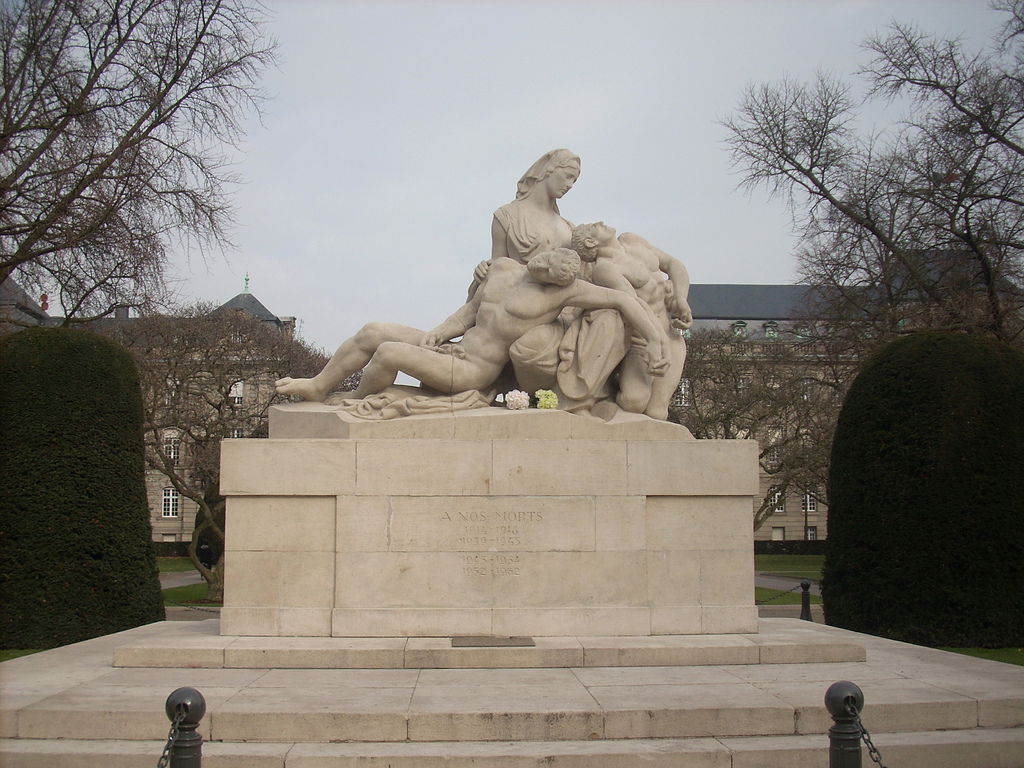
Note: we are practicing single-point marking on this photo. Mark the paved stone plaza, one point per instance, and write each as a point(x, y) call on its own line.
point(717, 707)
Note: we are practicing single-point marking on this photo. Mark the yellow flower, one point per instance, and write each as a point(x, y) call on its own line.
point(546, 398)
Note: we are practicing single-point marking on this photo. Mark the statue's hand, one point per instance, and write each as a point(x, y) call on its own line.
point(657, 357)
point(480, 273)
point(432, 339)
point(657, 366)
point(682, 317)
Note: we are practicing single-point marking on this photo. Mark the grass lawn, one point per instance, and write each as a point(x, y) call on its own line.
point(795, 566)
point(1008, 655)
point(174, 564)
point(190, 594)
point(13, 654)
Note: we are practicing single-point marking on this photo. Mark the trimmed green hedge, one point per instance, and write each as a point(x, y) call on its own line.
point(170, 548)
point(76, 556)
point(789, 547)
point(926, 495)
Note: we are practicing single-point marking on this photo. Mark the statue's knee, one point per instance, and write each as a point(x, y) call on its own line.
point(632, 401)
point(370, 335)
point(658, 412)
point(387, 353)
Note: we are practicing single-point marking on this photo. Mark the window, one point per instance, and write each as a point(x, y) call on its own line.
point(172, 448)
point(237, 393)
point(773, 453)
point(777, 499)
point(739, 329)
point(771, 330)
point(172, 390)
point(171, 501)
point(684, 394)
point(812, 533)
point(809, 502)
point(779, 533)
point(236, 432)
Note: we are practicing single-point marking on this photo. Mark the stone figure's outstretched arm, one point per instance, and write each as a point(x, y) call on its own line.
point(680, 277)
point(608, 275)
point(636, 314)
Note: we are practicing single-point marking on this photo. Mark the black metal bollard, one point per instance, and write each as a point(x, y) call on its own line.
point(805, 601)
point(844, 736)
point(186, 706)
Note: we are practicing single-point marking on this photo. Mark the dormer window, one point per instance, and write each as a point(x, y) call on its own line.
point(739, 329)
point(771, 330)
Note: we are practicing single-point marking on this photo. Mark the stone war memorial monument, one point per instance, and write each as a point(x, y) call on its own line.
point(438, 575)
point(449, 509)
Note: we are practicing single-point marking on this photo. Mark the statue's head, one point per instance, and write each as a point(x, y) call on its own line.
point(559, 266)
point(587, 238)
point(548, 163)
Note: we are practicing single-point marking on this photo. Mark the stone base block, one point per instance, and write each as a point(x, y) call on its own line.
point(486, 522)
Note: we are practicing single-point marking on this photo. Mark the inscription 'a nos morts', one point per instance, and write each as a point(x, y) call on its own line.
point(504, 515)
point(488, 529)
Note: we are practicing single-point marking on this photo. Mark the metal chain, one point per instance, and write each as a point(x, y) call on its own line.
point(193, 607)
point(873, 752)
point(778, 596)
point(179, 717)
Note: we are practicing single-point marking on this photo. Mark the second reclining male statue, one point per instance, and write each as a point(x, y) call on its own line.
point(626, 318)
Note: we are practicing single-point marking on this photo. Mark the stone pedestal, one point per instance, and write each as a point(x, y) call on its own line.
point(487, 522)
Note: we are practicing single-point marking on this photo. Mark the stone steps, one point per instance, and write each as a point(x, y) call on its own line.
point(71, 707)
point(979, 748)
point(198, 644)
point(527, 705)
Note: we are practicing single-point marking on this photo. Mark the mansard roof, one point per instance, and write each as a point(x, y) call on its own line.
point(719, 301)
point(246, 302)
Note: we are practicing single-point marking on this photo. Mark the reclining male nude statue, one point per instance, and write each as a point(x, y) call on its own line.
point(512, 300)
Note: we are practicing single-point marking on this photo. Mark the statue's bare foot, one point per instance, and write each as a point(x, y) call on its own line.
point(307, 389)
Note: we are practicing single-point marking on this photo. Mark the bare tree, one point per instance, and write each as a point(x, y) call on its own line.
point(782, 392)
point(207, 375)
point(922, 224)
point(115, 119)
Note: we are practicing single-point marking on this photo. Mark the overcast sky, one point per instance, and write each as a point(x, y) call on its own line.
point(396, 128)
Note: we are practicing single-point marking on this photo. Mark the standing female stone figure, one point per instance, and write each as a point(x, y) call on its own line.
point(532, 222)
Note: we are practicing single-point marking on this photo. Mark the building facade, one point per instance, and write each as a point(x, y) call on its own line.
point(753, 372)
point(224, 393)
